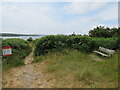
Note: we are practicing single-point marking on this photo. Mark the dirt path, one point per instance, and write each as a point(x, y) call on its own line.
point(29, 58)
point(28, 76)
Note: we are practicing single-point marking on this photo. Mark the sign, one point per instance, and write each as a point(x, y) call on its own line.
point(7, 51)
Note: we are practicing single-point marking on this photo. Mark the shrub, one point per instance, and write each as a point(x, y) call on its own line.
point(30, 39)
point(48, 43)
point(20, 49)
point(84, 44)
point(101, 31)
point(110, 43)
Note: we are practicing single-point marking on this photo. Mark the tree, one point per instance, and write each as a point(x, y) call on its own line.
point(30, 39)
point(73, 34)
point(101, 31)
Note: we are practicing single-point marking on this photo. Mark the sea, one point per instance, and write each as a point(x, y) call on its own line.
point(22, 37)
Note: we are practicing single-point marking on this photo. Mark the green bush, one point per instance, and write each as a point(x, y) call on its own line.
point(101, 31)
point(30, 39)
point(49, 43)
point(110, 43)
point(84, 44)
point(20, 49)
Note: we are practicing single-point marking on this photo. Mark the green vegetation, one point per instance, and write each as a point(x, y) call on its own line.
point(70, 62)
point(30, 39)
point(84, 44)
point(111, 43)
point(101, 31)
point(20, 49)
point(69, 59)
point(73, 69)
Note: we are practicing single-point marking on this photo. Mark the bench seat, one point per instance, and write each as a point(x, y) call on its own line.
point(105, 55)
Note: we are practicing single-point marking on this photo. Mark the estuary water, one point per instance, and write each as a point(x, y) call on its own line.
point(23, 37)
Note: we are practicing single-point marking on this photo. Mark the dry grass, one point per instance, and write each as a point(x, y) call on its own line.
point(73, 69)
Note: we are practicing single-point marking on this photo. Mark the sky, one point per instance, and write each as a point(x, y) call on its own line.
point(57, 17)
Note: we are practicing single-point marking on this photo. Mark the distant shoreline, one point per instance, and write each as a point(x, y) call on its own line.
point(18, 35)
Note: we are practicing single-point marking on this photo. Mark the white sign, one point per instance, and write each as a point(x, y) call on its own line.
point(7, 51)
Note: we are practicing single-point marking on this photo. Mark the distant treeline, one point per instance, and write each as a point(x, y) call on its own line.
point(11, 34)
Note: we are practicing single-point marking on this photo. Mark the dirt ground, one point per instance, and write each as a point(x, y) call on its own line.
point(28, 76)
point(31, 75)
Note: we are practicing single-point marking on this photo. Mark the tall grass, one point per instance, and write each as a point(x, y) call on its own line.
point(71, 68)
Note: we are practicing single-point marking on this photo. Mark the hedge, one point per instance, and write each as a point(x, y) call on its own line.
point(84, 44)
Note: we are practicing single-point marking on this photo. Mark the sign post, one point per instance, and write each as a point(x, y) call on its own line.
point(7, 51)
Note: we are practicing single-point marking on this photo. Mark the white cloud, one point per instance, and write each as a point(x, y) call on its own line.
point(29, 19)
point(14, 8)
point(42, 18)
point(111, 13)
point(83, 7)
point(0, 17)
point(59, 0)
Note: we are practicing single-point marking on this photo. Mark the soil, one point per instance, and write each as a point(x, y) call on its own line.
point(31, 75)
point(28, 76)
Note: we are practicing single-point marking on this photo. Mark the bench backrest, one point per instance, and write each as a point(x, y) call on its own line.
point(108, 51)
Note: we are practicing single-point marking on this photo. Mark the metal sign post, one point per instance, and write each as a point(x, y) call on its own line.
point(7, 51)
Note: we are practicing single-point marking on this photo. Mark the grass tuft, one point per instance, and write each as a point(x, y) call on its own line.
point(73, 69)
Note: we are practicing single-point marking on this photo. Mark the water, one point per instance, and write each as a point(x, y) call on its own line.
point(23, 37)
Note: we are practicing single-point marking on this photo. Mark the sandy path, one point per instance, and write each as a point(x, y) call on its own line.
point(29, 58)
point(28, 76)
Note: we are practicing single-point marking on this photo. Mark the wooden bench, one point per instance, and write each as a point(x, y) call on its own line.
point(105, 52)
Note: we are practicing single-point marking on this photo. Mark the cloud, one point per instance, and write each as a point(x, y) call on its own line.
point(110, 13)
point(44, 18)
point(14, 8)
point(83, 7)
point(59, 0)
point(29, 18)
point(0, 17)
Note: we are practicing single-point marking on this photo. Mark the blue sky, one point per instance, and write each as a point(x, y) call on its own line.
point(57, 17)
